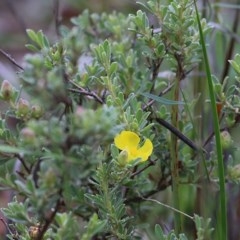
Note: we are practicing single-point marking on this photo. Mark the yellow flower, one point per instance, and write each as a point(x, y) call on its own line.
point(128, 142)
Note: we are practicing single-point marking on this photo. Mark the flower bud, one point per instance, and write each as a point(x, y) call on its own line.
point(226, 140)
point(6, 90)
point(123, 158)
point(50, 178)
point(23, 108)
point(234, 172)
point(34, 231)
point(36, 111)
point(28, 135)
point(79, 111)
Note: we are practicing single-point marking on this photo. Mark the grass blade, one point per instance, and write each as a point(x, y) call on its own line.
point(222, 231)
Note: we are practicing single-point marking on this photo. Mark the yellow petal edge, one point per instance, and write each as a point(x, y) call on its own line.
point(129, 142)
point(126, 139)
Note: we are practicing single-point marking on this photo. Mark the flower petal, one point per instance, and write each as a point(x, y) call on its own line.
point(146, 150)
point(126, 140)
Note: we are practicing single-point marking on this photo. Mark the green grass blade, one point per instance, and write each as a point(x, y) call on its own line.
point(222, 232)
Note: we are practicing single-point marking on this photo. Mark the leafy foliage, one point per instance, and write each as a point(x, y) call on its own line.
point(105, 74)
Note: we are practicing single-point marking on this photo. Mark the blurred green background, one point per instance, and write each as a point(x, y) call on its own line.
point(18, 15)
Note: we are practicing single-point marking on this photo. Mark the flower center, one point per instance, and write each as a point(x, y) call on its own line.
point(133, 151)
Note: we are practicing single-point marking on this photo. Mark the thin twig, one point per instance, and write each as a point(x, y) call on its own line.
point(49, 220)
point(10, 59)
point(231, 46)
point(57, 18)
point(20, 158)
point(151, 163)
point(87, 93)
point(224, 30)
point(5, 224)
point(181, 136)
point(137, 199)
point(169, 207)
point(155, 69)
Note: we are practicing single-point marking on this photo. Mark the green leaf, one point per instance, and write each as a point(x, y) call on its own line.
point(161, 99)
point(17, 211)
point(11, 149)
point(32, 35)
point(236, 63)
point(114, 151)
point(31, 47)
point(182, 237)
point(40, 38)
point(145, 6)
point(113, 68)
point(45, 42)
point(107, 49)
point(159, 232)
point(99, 227)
